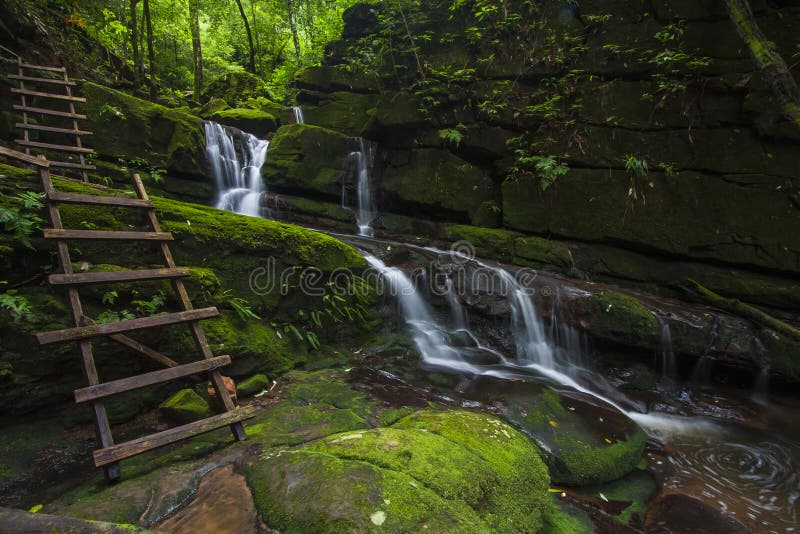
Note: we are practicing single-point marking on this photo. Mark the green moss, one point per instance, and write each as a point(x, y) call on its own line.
point(15, 172)
point(344, 112)
point(212, 106)
point(185, 406)
point(133, 129)
point(542, 253)
point(491, 243)
point(252, 385)
point(307, 158)
point(523, 481)
point(390, 416)
point(309, 491)
point(253, 121)
point(328, 79)
point(264, 104)
point(619, 318)
point(488, 215)
point(290, 424)
point(331, 210)
point(587, 463)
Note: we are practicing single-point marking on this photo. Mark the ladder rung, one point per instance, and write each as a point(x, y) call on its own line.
point(99, 200)
point(117, 276)
point(50, 146)
point(118, 327)
point(54, 96)
point(114, 387)
point(52, 233)
point(27, 158)
point(58, 81)
point(49, 112)
point(68, 131)
point(42, 67)
point(70, 165)
point(121, 451)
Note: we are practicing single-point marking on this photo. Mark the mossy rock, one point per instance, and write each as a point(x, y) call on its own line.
point(264, 104)
point(618, 318)
point(692, 215)
point(185, 406)
point(235, 88)
point(305, 158)
point(445, 471)
point(133, 129)
point(328, 79)
point(489, 215)
point(521, 497)
point(542, 253)
point(584, 444)
point(427, 185)
point(343, 112)
point(211, 107)
point(487, 242)
point(397, 120)
point(253, 121)
point(21, 521)
point(252, 385)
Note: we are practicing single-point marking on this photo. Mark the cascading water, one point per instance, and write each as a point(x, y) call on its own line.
point(237, 172)
point(297, 112)
point(359, 166)
point(666, 356)
point(457, 310)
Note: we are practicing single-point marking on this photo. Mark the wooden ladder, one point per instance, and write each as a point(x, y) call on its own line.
point(52, 79)
point(85, 329)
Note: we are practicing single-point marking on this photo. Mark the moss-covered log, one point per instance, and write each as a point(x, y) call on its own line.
point(773, 67)
point(745, 310)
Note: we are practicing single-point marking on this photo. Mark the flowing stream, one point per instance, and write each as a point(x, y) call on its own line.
point(752, 475)
point(297, 113)
point(236, 162)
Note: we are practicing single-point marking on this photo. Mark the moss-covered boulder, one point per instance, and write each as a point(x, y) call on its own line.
point(306, 158)
point(582, 441)
point(447, 471)
point(20, 521)
point(132, 129)
point(185, 406)
point(438, 184)
point(618, 318)
point(538, 252)
point(486, 242)
point(397, 120)
point(344, 112)
point(235, 88)
point(253, 121)
point(252, 385)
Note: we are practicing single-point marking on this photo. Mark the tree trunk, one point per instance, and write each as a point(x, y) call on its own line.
point(252, 65)
point(150, 51)
point(137, 58)
point(197, 51)
point(293, 26)
point(773, 67)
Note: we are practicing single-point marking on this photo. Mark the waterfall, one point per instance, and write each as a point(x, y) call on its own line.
point(297, 111)
point(665, 354)
point(457, 310)
point(438, 346)
point(359, 165)
point(532, 345)
point(761, 386)
point(237, 172)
